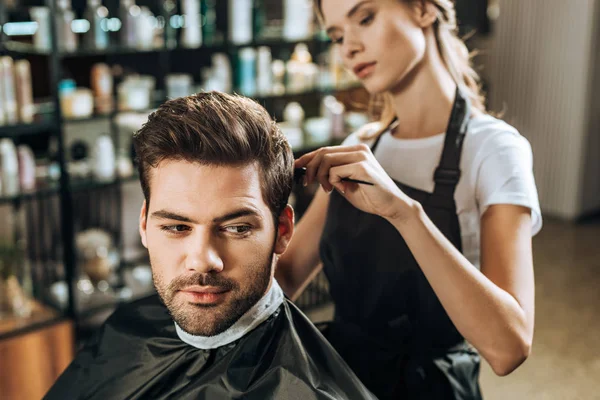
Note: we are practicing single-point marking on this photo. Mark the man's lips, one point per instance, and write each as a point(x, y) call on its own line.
point(362, 70)
point(205, 295)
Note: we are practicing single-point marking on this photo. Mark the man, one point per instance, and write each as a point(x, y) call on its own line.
point(216, 174)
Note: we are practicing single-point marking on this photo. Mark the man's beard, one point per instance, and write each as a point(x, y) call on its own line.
point(210, 320)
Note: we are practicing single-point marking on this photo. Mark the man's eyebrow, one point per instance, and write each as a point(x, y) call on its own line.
point(242, 212)
point(350, 13)
point(165, 214)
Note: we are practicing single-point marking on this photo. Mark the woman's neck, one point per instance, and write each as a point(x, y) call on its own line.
point(424, 100)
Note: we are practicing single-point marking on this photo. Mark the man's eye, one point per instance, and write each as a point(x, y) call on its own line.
point(237, 229)
point(175, 228)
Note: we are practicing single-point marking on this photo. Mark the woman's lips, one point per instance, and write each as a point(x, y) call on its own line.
point(364, 69)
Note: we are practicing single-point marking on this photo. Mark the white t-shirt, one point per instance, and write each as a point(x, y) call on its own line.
point(496, 168)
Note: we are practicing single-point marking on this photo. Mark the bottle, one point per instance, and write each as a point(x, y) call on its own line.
point(222, 72)
point(103, 88)
point(240, 21)
point(247, 71)
point(24, 91)
point(169, 7)
point(104, 160)
point(66, 38)
point(191, 36)
point(129, 14)
point(209, 13)
point(264, 76)
point(297, 19)
point(7, 76)
point(9, 167)
point(96, 37)
point(26, 162)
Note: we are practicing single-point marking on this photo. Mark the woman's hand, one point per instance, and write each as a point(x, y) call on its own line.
point(330, 165)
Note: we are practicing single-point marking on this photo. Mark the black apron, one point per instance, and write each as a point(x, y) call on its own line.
point(389, 325)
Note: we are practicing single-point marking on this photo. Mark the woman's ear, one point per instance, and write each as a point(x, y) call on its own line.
point(425, 13)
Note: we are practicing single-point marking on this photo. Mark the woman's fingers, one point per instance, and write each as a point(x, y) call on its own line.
point(322, 174)
point(312, 161)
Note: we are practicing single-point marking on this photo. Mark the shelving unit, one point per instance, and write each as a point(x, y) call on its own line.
point(53, 212)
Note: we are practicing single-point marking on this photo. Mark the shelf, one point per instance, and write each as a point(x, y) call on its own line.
point(77, 185)
point(14, 131)
point(22, 48)
point(41, 316)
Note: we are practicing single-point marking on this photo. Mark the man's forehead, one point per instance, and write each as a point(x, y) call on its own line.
point(213, 188)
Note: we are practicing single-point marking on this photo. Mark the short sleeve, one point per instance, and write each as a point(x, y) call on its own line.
point(505, 175)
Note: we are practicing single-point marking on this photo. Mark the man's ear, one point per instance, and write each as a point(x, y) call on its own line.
point(285, 229)
point(425, 13)
point(143, 223)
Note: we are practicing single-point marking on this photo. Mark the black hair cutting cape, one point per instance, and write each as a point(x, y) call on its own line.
point(138, 355)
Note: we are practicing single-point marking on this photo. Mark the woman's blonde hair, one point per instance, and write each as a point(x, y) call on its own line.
point(453, 51)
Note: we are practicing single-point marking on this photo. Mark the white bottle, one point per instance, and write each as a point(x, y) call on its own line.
point(297, 19)
point(9, 97)
point(240, 21)
point(192, 31)
point(9, 167)
point(103, 159)
point(222, 73)
point(264, 76)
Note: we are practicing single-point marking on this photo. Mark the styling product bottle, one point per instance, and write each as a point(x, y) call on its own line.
point(103, 88)
point(2, 108)
point(95, 13)
point(169, 7)
point(9, 167)
point(145, 29)
point(258, 17)
point(247, 71)
point(66, 39)
point(129, 14)
point(209, 13)
point(26, 168)
point(7, 75)
point(191, 36)
point(104, 160)
point(24, 91)
point(240, 21)
point(278, 70)
point(222, 72)
point(297, 19)
point(293, 116)
point(264, 76)
point(43, 34)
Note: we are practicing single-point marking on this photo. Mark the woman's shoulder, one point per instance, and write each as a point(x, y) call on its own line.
point(363, 135)
point(487, 134)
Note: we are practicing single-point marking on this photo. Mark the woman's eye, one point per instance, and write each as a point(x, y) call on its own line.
point(337, 40)
point(367, 20)
point(175, 228)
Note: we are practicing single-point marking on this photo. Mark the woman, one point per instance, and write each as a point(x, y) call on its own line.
point(430, 263)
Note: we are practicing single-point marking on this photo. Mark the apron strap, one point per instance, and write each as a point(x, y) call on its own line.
point(447, 173)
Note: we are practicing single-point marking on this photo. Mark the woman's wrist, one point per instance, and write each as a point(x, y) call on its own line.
point(405, 211)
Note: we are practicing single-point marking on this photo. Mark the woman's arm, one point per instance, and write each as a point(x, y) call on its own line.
point(493, 309)
point(300, 263)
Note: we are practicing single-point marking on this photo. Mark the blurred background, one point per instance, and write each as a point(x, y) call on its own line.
point(78, 77)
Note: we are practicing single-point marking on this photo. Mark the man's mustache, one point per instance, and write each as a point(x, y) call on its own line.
point(201, 279)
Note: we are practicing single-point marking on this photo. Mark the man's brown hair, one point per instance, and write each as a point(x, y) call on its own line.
point(215, 128)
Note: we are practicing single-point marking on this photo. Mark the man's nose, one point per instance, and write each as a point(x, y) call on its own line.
point(203, 255)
